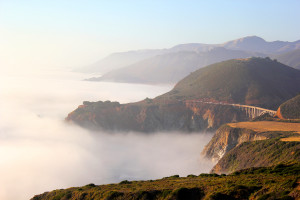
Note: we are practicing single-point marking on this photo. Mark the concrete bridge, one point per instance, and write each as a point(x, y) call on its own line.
point(251, 111)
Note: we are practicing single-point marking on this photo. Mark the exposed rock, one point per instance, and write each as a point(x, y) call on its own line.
point(258, 154)
point(153, 115)
point(226, 138)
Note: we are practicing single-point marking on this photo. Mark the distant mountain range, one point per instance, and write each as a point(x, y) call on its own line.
point(291, 58)
point(170, 65)
point(257, 44)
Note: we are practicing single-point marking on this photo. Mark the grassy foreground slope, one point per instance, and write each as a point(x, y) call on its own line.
point(277, 182)
point(254, 81)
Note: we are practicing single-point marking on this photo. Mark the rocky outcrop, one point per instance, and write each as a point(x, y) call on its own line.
point(289, 109)
point(237, 146)
point(226, 138)
point(153, 115)
point(264, 153)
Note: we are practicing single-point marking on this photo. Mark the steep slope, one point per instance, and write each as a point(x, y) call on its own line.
point(258, 154)
point(255, 81)
point(237, 146)
point(232, 135)
point(255, 183)
point(225, 139)
point(290, 109)
point(170, 68)
point(291, 58)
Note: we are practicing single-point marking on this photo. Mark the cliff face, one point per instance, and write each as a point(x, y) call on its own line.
point(151, 115)
point(237, 146)
point(226, 138)
point(258, 154)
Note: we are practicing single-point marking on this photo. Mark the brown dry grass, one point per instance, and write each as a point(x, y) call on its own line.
point(264, 126)
point(291, 139)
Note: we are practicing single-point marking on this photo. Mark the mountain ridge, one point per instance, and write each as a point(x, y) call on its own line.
point(291, 58)
point(171, 67)
point(119, 60)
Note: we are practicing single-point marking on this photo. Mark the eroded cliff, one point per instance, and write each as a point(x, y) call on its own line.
point(237, 146)
point(226, 138)
point(258, 154)
point(155, 115)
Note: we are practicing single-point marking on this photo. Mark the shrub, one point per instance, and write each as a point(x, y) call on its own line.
point(125, 182)
point(91, 185)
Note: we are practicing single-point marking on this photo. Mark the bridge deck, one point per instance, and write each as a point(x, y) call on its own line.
point(256, 111)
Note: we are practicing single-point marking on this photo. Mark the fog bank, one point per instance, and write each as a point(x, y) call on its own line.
point(39, 152)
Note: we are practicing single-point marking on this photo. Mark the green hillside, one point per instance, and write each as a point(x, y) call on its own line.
point(254, 81)
point(278, 182)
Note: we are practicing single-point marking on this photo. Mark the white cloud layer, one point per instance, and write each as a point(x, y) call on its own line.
point(39, 152)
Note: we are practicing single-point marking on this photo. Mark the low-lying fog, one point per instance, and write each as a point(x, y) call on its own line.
point(39, 152)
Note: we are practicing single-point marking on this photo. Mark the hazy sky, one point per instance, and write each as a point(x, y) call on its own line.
point(62, 33)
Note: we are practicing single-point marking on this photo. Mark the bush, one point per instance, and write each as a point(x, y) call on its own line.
point(125, 182)
point(208, 175)
point(91, 185)
point(113, 195)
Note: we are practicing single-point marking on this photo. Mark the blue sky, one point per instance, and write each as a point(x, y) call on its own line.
point(79, 32)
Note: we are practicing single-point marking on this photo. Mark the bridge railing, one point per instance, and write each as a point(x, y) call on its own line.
point(251, 111)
